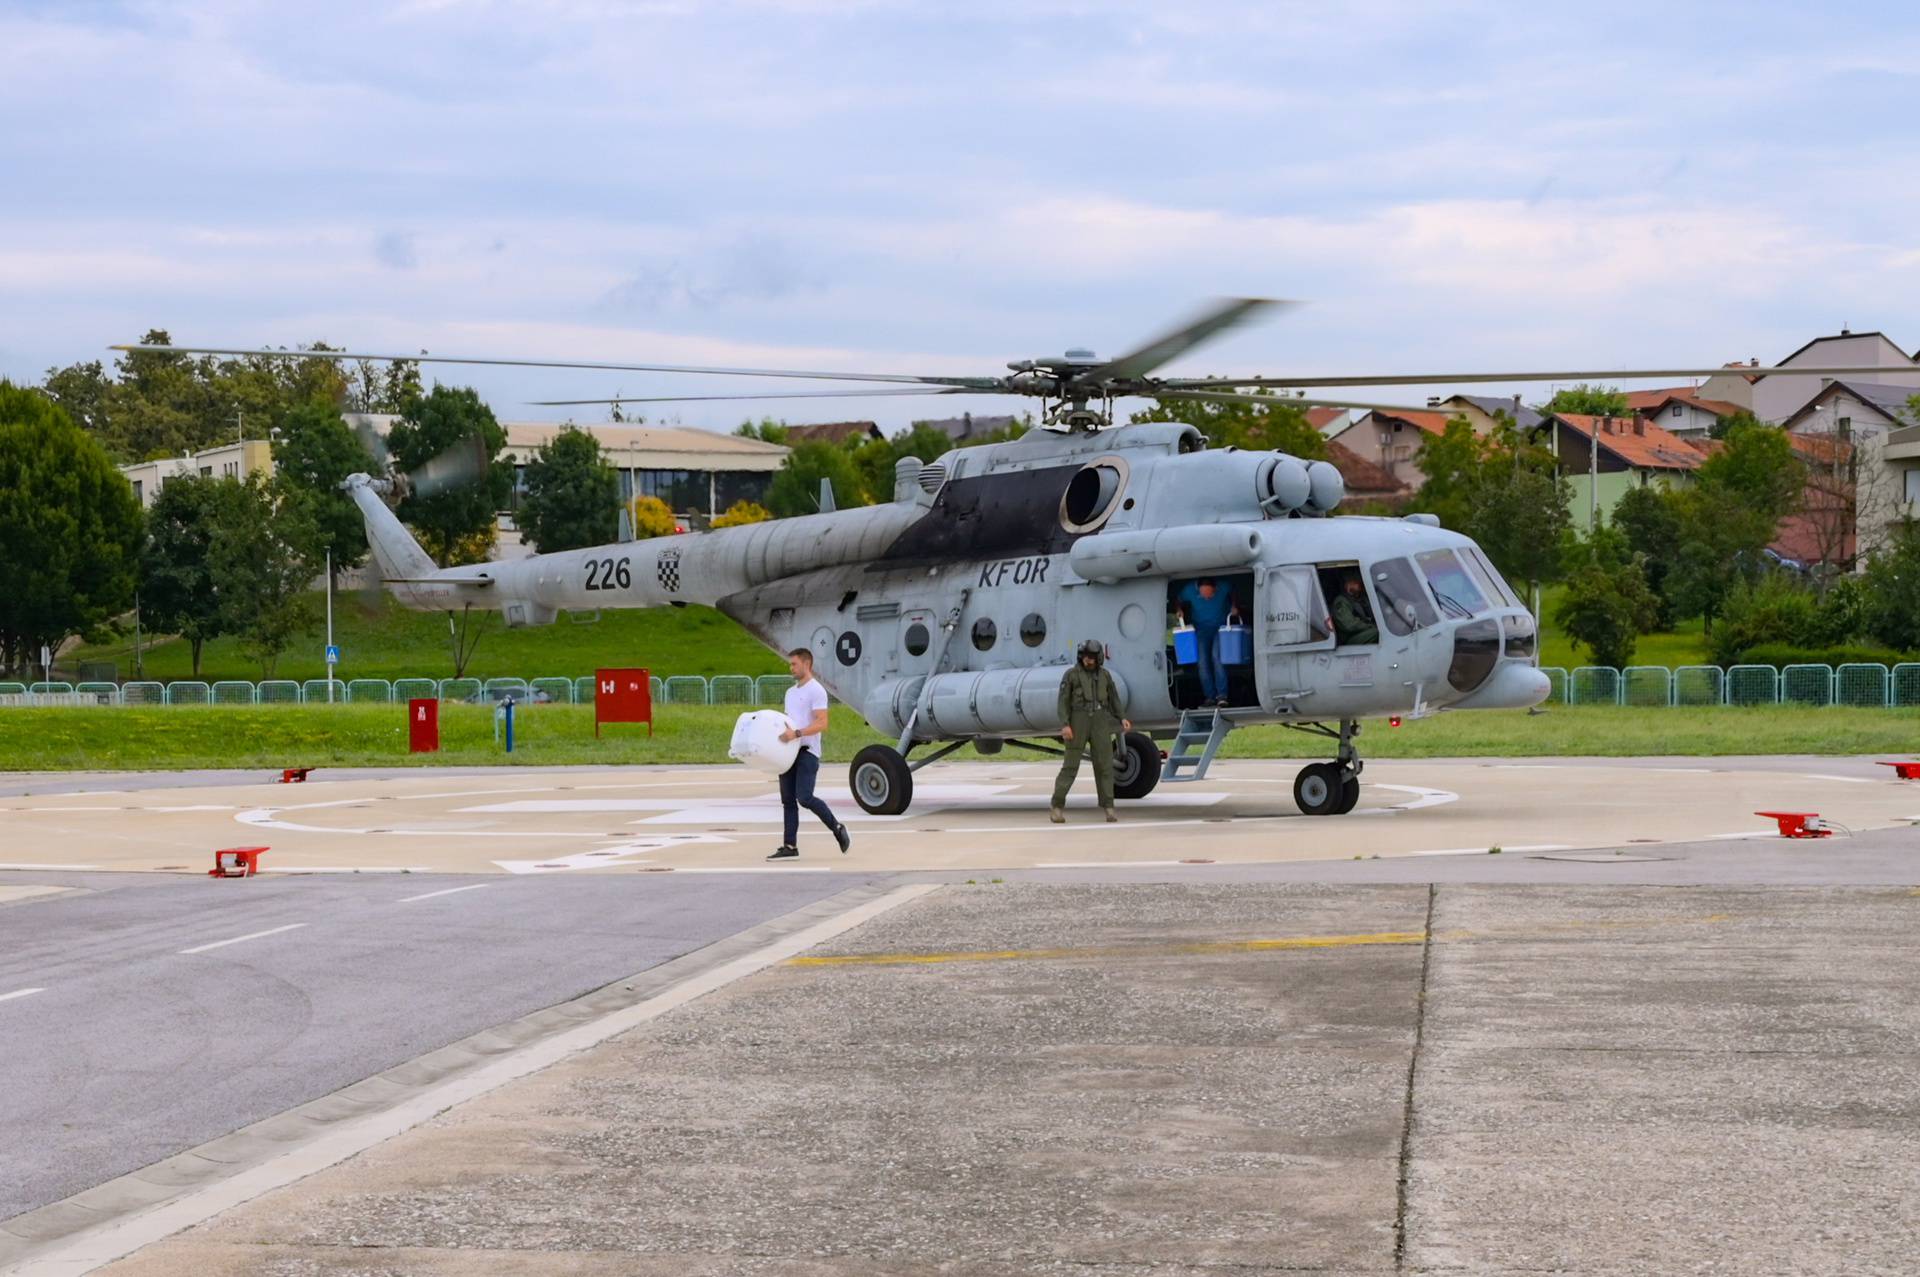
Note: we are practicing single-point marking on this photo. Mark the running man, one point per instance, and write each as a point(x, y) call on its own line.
point(806, 723)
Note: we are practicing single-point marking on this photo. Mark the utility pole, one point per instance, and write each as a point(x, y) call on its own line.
point(1593, 476)
point(330, 650)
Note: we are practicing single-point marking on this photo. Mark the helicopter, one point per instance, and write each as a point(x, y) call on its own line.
point(949, 616)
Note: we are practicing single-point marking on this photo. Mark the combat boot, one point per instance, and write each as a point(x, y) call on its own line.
point(1058, 815)
point(1111, 818)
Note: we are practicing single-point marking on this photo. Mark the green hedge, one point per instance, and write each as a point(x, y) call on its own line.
point(1782, 655)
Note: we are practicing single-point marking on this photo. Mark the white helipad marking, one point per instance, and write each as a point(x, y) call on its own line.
point(1849, 780)
point(1488, 850)
point(264, 818)
point(447, 892)
point(751, 869)
point(221, 944)
point(193, 807)
point(1692, 771)
point(345, 869)
point(1423, 797)
point(19, 993)
point(37, 810)
point(621, 853)
point(14, 866)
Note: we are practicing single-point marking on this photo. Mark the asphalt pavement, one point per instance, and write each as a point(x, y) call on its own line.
point(142, 1014)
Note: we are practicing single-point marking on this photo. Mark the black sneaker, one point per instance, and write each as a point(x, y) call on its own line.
point(786, 853)
point(841, 836)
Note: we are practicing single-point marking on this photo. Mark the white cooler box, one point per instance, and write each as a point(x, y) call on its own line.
point(757, 743)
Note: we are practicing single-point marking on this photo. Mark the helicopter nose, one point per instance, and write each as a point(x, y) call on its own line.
point(1513, 686)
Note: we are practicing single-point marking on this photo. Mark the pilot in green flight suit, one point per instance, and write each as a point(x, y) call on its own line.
point(1090, 707)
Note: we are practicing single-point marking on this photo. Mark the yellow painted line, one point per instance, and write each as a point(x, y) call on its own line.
point(1110, 951)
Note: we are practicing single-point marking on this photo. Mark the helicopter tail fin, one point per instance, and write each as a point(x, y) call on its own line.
point(395, 552)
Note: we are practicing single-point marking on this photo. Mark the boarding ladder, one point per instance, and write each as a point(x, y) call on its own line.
point(1201, 733)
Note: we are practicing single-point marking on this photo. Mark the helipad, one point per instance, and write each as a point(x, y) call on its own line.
point(973, 815)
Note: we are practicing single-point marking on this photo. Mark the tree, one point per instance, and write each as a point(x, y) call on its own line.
point(766, 430)
point(1589, 400)
point(69, 530)
point(1649, 519)
point(652, 517)
point(1723, 426)
point(314, 452)
point(1519, 520)
point(1729, 515)
point(1454, 463)
point(1605, 609)
point(260, 560)
point(796, 488)
point(1264, 422)
point(455, 519)
point(741, 513)
point(573, 495)
point(178, 591)
point(1892, 581)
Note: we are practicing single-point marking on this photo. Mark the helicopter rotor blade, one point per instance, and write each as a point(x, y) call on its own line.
point(981, 383)
point(463, 463)
point(1602, 375)
point(1278, 401)
point(794, 394)
point(1226, 313)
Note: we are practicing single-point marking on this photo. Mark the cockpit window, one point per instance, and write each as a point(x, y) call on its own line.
point(1403, 604)
point(1453, 589)
point(1489, 577)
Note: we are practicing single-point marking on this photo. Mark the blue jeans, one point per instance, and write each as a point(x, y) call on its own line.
point(1213, 675)
point(796, 791)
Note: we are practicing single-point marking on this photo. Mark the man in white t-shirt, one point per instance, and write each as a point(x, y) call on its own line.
point(806, 722)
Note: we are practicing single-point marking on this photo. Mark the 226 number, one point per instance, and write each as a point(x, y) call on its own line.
point(608, 574)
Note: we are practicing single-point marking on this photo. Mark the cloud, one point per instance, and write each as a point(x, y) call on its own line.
point(396, 250)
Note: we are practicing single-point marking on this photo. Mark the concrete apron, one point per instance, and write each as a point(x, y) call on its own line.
point(1104, 1079)
point(983, 815)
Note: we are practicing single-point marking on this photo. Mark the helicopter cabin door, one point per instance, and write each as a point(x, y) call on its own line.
point(1294, 625)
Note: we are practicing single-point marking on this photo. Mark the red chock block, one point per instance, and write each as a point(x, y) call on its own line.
point(1798, 824)
point(293, 775)
point(1904, 770)
point(236, 862)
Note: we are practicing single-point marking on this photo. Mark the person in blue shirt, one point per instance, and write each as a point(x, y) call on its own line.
point(1206, 607)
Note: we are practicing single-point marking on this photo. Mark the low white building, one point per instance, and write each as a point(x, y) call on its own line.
point(237, 460)
point(1778, 397)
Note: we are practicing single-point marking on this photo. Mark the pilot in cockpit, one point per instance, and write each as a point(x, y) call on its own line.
point(1353, 622)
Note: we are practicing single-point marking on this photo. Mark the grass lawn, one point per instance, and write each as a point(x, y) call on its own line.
point(388, 641)
point(375, 735)
point(1685, 645)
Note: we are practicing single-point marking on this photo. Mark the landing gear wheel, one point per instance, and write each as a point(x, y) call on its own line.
point(881, 781)
point(1318, 790)
point(1349, 795)
point(1136, 766)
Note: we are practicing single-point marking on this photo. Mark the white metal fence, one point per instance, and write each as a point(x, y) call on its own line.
point(1864, 685)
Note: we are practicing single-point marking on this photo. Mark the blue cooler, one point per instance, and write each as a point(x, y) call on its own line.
point(1236, 645)
point(1186, 646)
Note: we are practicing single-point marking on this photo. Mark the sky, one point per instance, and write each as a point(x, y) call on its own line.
point(940, 188)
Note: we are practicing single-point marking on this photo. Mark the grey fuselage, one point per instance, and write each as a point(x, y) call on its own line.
point(957, 606)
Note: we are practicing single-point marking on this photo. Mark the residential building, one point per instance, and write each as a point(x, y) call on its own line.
point(237, 460)
point(833, 432)
point(967, 428)
point(1392, 440)
point(1367, 482)
point(1684, 414)
point(1479, 411)
point(1604, 457)
point(1888, 493)
point(1777, 397)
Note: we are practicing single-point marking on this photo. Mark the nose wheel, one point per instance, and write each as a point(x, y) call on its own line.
point(1331, 789)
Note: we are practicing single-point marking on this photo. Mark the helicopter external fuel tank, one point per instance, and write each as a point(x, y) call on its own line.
point(968, 703)
point(1115, 556)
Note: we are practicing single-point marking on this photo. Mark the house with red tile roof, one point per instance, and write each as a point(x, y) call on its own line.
point(1391, 440)
point(1603, 457)
point(1367, 482)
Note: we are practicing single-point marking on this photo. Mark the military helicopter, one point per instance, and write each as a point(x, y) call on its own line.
point(948, 616)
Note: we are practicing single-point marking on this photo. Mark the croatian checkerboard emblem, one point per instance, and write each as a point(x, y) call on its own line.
point(847, 648)
point(670, 571)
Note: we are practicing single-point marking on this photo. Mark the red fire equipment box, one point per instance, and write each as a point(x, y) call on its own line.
point(622, 696)
point(423, 725)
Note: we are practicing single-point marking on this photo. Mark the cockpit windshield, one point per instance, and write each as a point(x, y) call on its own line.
point(1453, 588)
point(1403, 603)
point(1491, 582)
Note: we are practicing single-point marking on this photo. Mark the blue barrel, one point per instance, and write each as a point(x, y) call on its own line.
point(1186, 646)
point(1236, 645)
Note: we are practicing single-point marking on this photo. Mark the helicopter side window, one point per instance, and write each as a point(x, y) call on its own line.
point(1404, 606)
point(985, 634)
point(1033, 630)
point(1453, 589)
point(917, 639)
point(1295, 610)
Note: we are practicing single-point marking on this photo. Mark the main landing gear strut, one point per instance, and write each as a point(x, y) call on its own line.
point(1330, 789)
